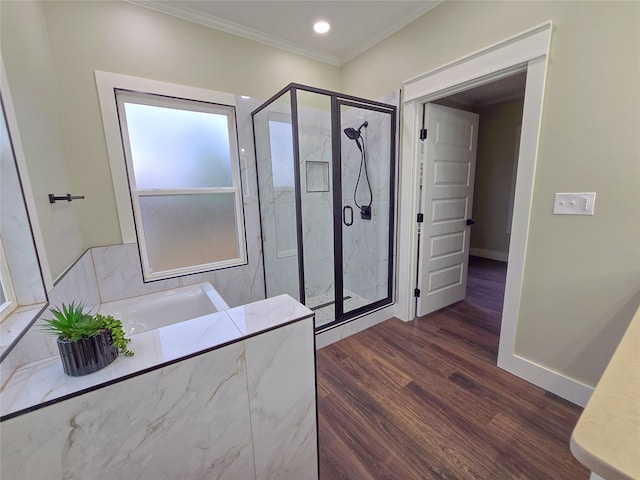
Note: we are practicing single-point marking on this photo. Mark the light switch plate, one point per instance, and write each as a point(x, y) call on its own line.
point(574, 203)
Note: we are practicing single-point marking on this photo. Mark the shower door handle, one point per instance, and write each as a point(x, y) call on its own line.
point(346, 209)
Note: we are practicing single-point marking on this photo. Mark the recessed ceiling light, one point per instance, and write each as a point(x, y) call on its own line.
point(321, 26)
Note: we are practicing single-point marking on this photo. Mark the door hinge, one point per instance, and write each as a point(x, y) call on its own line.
point(423, 134)
point(416, 292)
point(420, 217)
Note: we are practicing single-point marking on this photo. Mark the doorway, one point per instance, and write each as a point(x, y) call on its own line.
point(471, 162)
point(525, 51)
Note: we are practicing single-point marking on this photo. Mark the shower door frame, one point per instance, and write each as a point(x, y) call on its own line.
point(337, 100)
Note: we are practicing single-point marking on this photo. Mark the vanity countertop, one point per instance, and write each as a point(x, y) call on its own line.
point(43, 382)
point(607, 436)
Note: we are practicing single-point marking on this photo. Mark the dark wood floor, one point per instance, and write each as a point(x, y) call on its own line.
point(425, 400)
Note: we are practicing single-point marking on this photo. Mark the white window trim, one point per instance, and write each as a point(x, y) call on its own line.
point(530, 50)
point(107, 83)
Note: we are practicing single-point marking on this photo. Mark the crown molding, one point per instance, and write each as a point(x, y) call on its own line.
point(235, 29)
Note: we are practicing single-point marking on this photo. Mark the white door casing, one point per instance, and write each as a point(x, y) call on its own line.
point(528, 50)
point(447, 202)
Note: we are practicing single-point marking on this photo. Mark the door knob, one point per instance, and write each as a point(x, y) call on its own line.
point(470, 222)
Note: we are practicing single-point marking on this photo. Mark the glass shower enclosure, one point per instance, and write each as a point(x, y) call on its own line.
point(326, 186)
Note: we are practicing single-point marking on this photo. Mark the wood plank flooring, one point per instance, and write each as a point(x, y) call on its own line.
point(425, 400)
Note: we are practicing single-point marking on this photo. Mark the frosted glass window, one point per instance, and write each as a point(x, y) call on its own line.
point(281, 140)
point(184, 178)
point(189, 230)
point(174, 148)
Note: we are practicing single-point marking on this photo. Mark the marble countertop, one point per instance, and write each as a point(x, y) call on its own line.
point(40, 383)
point(607, 436)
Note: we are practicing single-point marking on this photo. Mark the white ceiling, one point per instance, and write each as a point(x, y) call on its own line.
point(356, 25)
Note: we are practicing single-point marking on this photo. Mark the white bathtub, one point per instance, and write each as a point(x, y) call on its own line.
point(156, 310)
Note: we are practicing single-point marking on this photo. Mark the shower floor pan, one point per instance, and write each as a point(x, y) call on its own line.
point(325, 309)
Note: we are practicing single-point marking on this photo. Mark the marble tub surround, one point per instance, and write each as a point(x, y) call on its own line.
point(39, 383)
point(253, 416)
point(283, 412)
point(607, 436)
point(186, 420)
point(113, 273)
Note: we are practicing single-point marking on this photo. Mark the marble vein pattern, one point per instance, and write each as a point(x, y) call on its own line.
point(44, 380)
point(277, 209)
point(79, 285)
point(187, 420)
point(119, 273)
point(283, 412)
point(245, 410)
point(260, 316)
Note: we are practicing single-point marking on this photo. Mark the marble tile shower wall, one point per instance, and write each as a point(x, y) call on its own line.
point(365, 243)
point(277, 208)
point(317, 206)
point(105, 274)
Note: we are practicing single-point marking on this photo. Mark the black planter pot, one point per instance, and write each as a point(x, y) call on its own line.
point(87, 355)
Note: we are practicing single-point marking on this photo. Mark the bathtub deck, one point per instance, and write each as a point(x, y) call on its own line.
point(41, 383)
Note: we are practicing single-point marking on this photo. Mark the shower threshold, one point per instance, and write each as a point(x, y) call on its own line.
point(324, 306)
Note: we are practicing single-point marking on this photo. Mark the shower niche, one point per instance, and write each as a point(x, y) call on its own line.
point(326, 186)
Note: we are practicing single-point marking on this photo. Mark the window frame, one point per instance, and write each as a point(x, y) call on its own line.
point(108, 85)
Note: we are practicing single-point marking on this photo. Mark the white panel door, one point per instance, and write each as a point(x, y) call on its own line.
point(450, 160)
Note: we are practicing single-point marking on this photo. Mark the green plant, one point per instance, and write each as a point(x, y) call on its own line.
point(72, 323)
point(117, 333)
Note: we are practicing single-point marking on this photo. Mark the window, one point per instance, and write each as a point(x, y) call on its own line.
point(184, 180)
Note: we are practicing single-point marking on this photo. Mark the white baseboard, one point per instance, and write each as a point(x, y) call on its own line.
point(554, 382)
point(354, 326)
point(491, 254)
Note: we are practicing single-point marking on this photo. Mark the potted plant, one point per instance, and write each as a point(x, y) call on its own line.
point(86, 342)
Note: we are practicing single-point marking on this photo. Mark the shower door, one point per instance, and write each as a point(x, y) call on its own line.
point(366, 218)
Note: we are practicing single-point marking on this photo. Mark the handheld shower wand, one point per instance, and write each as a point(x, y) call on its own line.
point(353, 134)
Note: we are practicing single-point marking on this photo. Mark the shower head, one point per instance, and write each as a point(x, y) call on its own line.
point(354, 134)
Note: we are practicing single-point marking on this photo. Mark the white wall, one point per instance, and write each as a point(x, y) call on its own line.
point(33, 83)
point(582, 274)
point(492, 192)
